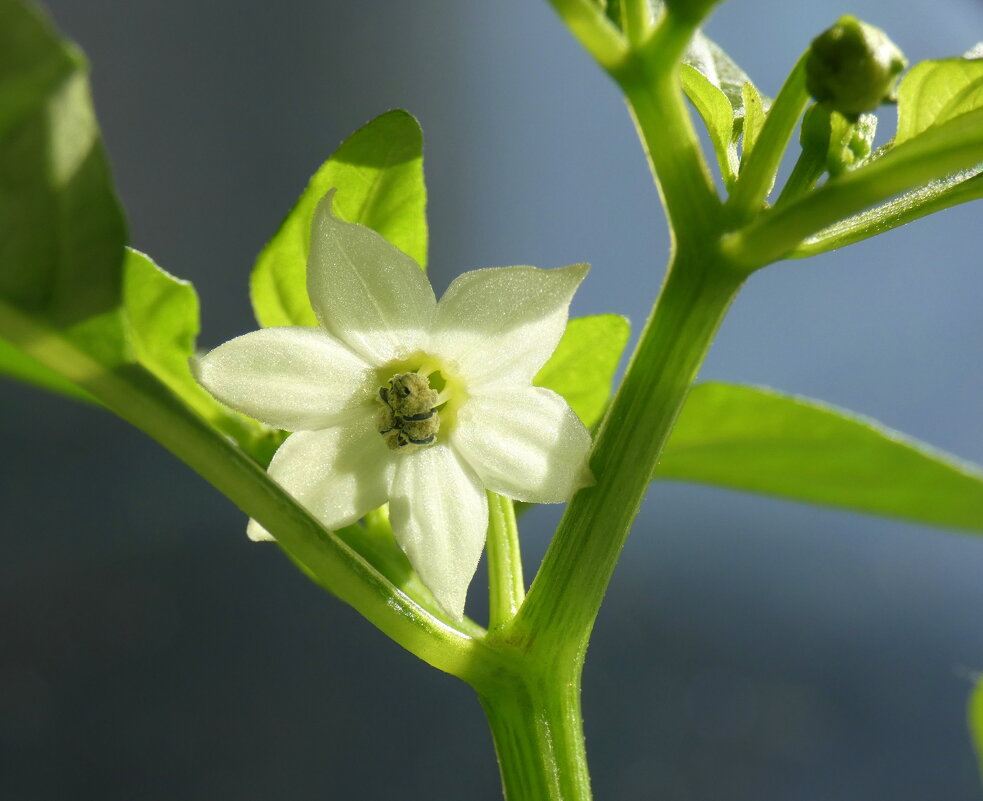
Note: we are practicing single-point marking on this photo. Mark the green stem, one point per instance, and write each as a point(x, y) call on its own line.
point(506, 588)
point(559, 612)
point(809, 168)
point(947, 148)
point(539, 740)
point(936, 196)
point(638, 20)
point(652, 85)
point(758, 173)
point(595, 32)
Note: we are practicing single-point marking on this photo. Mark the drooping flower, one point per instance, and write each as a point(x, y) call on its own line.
point(399, 398)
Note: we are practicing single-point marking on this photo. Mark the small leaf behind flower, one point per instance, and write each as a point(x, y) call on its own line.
point(582, 367)
point(163, 322)
point(378, 172)
point(759, 440)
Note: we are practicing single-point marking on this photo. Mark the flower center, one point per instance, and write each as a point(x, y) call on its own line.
point(407, 416)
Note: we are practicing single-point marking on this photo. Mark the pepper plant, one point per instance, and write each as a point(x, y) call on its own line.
point(417, 423)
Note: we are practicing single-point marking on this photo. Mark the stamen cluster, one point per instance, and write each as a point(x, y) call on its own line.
point(407, 416)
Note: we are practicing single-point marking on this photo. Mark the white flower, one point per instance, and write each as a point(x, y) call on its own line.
point(399, 398)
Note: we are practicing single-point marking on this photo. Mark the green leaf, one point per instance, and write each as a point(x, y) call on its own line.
point(62, 238)
point(61, 228)
point(378, 172)
point(709, 74)
point(718, 115)
point(30, 67)
point(163, 322)
point(706, 56)
point(934, 92)
point(582, 367)
point(754, 119)
point(758, 440)
point(975, 714)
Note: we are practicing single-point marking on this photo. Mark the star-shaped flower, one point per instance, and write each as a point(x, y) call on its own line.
point(399, 398)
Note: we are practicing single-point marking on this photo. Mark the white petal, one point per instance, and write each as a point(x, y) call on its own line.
point(439, 514)
point(257, 533)
point(368, 293)
point(500, 325)
point(292, 378)
point(337, 474)
point(526, 444)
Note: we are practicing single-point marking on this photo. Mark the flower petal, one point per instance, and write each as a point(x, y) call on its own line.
point(337, 474)
point(257, 533)
point(292, 378)
point(500, 325)
point(439, 514)
point(366, 292)
point(526, 444)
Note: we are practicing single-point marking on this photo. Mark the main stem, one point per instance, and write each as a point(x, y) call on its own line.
point(535, 720)
point(556, 620)
point(539, 738)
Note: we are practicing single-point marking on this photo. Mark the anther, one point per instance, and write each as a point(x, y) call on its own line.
point(407, 417)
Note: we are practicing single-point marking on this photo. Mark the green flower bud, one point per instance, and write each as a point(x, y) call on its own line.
point(852, 67)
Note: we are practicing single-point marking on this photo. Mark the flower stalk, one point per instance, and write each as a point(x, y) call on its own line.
point(506, 587)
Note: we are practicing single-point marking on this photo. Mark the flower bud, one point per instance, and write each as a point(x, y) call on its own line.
point(852, 67)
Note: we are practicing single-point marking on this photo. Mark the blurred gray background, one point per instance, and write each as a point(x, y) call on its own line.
point(748, 649)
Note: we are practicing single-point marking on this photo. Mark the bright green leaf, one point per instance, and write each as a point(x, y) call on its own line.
point(582, 367)
point(706, 56)
point(976, 721)
point(934, 92)
point(754, 119)
point(163, 321)
point(720, 69)
point(378, 172)
point(718, 115)
point(708, 76)
point(758, 440)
